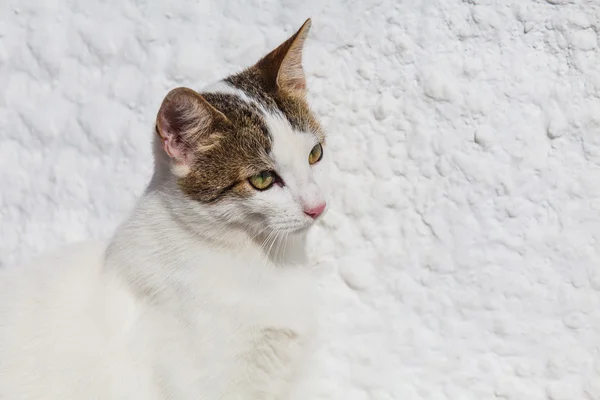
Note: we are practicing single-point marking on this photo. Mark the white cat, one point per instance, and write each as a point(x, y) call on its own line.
point(204, 291)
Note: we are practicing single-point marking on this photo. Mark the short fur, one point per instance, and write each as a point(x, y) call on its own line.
point(204, 291)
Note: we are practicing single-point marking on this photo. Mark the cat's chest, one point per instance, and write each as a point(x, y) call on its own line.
point(218, 357)
point(232, 329)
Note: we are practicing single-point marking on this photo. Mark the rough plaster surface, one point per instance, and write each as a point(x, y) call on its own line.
point(463, 238)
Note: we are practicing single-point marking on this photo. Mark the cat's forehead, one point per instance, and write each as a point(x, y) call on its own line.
point(286, 120)
point(251, 86)
point(263, 114)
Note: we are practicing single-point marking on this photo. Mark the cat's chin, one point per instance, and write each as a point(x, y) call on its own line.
point(289, 231)
point(298, 231)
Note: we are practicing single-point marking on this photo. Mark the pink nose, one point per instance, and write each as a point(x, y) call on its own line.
point(314, 212)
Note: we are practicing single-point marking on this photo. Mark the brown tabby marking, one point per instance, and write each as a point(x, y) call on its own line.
point(240, 152)
point(292, 105)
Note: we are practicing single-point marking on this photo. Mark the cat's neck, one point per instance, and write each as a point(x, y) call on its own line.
point(166, 243)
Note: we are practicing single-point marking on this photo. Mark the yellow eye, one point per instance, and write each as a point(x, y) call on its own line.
point(315, 154)
point(262, 180)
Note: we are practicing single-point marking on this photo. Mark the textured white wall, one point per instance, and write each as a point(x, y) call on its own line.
point(463, 237)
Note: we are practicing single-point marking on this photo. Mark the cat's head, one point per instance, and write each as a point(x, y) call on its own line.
point(248, 149)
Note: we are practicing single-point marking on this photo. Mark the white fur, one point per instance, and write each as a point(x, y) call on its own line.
point(188, 301)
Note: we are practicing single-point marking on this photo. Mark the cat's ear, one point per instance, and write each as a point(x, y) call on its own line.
point(183, 120)
point(283, 66)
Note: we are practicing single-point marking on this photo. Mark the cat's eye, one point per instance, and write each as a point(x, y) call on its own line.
point(315, 154)
point(262, 180)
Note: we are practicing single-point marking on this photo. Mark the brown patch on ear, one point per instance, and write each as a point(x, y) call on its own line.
point(184, 120)
point(282, 68)
point(278, 83)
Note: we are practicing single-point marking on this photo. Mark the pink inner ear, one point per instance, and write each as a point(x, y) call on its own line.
point(169, 148)
point(169, 143)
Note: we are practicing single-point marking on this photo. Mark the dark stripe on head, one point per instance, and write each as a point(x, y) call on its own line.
point(292, 106)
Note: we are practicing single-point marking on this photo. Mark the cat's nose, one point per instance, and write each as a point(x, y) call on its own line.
point(314, 212)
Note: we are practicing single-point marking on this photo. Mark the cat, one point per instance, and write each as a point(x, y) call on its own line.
point(204, 291)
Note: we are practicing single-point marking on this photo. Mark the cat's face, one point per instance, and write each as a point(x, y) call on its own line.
point(248, 148)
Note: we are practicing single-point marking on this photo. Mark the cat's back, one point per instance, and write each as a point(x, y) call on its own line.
point(61, 319)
